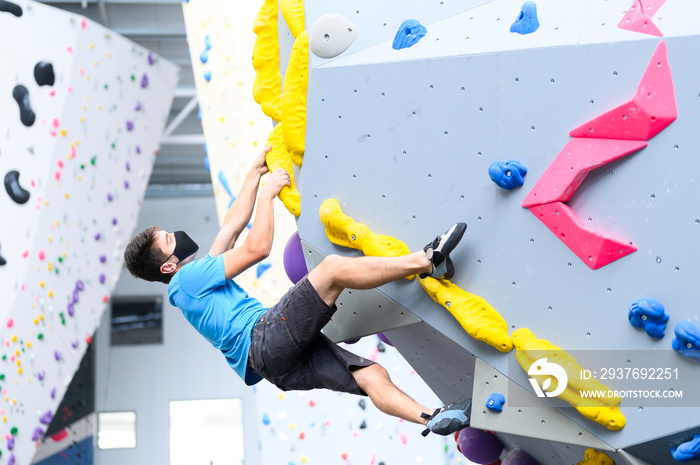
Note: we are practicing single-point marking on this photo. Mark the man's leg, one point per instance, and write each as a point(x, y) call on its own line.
point(388, 398)
point(336, 272)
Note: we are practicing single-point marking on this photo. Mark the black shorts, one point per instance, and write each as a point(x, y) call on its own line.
point(289, 350)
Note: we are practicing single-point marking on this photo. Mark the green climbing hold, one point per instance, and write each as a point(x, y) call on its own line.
point(41, 336)
point(82, 166)
point(14, 430)
point(2, 376)
point(93, 160)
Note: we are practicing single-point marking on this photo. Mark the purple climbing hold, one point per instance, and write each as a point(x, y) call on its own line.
point(518, 457)
point(129, 125)
point(408, 35)
point(103, 259)
point(126, 184)
point(138, 106)
point(76, 296)
point(38, 434)
point(128, 166)
point(57, 355)
point(479, 446)
point(144, 81)
point(79, 285)
point(151, 60)
point(41, 375)
point(138, 149)
point(102, 278)
point(46, 417)
point(53, 393)
point(114, 221)
point(71, 309)
point(110, 197)
point(97, 236)
point(75, 344)
point(11, 443)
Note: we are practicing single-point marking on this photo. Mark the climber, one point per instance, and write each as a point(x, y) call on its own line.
point(284, 343)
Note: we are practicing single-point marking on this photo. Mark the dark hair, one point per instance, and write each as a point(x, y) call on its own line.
point(143, 258)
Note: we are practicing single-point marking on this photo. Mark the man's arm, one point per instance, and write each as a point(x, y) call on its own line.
point(238, 216)
point(258, 243)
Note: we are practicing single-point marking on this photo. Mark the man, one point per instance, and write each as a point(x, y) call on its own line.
point(284, 344)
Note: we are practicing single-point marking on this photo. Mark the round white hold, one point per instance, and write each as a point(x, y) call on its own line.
point(331, 35)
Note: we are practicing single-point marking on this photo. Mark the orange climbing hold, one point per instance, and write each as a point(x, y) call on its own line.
point(569, 169)
point(594, 249)
point(652, 108)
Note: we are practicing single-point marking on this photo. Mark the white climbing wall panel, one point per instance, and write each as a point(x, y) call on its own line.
point(84, 163)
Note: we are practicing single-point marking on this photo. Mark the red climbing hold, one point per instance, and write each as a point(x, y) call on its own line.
point(638, 17)
point(652, 108)
point(568, 170)
point(594, 249)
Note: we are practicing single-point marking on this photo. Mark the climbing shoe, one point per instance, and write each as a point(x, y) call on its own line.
point(438, 252)
point(447, 420)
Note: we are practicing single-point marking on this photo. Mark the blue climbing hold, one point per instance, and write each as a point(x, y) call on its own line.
point(265, 419)
point(687, 340)
point(527, 19)
point(204, 56)
point(650, 315)
point(261, 268)
point(687, 451)
point(206, 163)
point(207, 76)
point(508, 175)
point(408, 35)
point(495, 402)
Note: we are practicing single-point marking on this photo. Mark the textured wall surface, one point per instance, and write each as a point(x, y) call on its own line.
point(84, 162)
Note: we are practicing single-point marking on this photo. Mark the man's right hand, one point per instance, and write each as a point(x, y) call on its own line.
point(275, 182)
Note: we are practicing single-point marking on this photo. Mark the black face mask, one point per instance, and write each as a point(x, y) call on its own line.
point(184, 246)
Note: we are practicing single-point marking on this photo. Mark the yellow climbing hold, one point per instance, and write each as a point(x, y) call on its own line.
point(294, 98)
point(267, 86)
point(603, 409)
point(478, 318)
point(293, 13)
point(278, 157)
point(344, 231)
point(593, 457)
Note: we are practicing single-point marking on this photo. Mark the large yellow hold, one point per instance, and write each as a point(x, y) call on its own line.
point(344, 231)
point(294, 98)
point(478, 318)
point(276, 158)
point(267, 87)
point(593, 457)
point(604, 409)
point(293, 13)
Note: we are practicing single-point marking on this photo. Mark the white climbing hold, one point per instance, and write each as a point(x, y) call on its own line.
point(331, 35)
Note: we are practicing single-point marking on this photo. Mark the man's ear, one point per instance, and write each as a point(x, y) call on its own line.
point(168, 267)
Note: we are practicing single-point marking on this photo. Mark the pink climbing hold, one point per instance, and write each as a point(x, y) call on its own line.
point(652, 108)
point(638, 17)
point(10, 322)
point(594, 249)
point(42, 254)
point(571, 166)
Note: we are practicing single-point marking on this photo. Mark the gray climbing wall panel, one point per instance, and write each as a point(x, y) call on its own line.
point(403, 139)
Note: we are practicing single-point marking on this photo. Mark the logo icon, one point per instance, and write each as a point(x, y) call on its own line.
point(542, 367)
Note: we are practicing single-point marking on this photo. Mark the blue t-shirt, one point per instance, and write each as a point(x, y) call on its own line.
point(219, 309)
